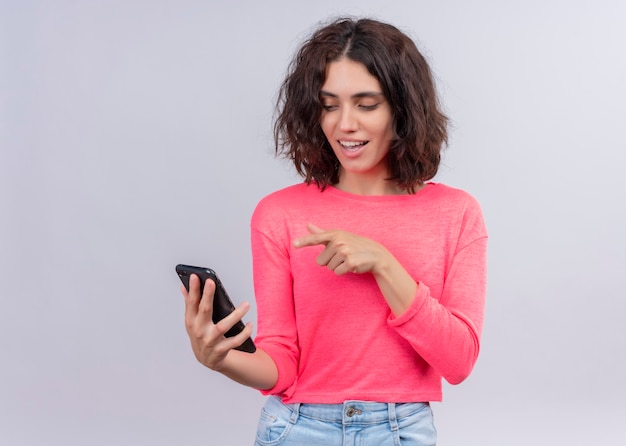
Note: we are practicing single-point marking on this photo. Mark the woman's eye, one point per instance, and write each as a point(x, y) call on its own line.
point(368, 107)
point(329, 107)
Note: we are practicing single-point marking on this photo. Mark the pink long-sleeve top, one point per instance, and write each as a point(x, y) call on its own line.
point(333, 337)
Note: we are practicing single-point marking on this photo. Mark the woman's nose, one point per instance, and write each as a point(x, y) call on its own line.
point(348, 121)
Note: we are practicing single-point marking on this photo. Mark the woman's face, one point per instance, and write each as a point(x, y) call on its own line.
point(357, 121)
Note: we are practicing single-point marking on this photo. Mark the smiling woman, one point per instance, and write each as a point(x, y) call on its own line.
point(364, 272)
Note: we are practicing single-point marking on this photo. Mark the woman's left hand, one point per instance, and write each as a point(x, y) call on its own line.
point(344, 251)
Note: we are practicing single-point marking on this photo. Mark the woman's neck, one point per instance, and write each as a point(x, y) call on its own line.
point(367, 185)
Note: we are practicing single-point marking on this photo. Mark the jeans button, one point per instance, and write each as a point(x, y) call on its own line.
point(352, 411)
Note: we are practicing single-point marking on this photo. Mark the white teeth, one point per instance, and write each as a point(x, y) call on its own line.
point(351, 143)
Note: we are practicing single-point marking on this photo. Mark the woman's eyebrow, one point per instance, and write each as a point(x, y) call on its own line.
point(364, 94)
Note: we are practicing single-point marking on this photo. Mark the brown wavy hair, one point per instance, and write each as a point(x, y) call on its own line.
point(420, 126)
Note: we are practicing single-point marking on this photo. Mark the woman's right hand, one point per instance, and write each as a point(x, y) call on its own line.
point(208, 342)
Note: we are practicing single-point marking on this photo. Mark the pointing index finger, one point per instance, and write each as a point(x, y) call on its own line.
point(311, 240)
point(317, 236)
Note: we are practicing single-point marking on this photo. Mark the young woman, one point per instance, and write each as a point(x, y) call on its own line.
point(369, 279)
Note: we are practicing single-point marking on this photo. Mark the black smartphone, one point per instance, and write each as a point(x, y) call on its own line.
point(222, 305)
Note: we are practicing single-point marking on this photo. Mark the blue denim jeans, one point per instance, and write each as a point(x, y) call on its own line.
point(353, 423)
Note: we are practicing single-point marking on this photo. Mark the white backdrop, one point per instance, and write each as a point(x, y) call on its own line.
point(136, 134)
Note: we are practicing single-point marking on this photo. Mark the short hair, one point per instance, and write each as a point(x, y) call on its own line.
point(419, 125)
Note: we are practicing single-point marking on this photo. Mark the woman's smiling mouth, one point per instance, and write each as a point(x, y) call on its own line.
point(352, 145)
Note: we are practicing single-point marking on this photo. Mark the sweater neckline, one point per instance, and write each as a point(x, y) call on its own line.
point(332, 190)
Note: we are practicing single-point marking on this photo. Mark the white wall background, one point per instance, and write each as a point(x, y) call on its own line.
point(137, 134)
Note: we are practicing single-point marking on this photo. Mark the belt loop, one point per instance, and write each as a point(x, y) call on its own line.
point(295, 412)
point(393, 421)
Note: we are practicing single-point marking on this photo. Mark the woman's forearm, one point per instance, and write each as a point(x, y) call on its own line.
point(256, 370)
point(396, 284)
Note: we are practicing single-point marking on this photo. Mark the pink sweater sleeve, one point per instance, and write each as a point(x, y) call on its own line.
point(446, 332)
point(273, 287)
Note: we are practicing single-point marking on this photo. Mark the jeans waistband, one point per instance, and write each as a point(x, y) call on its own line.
point(354, 411)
